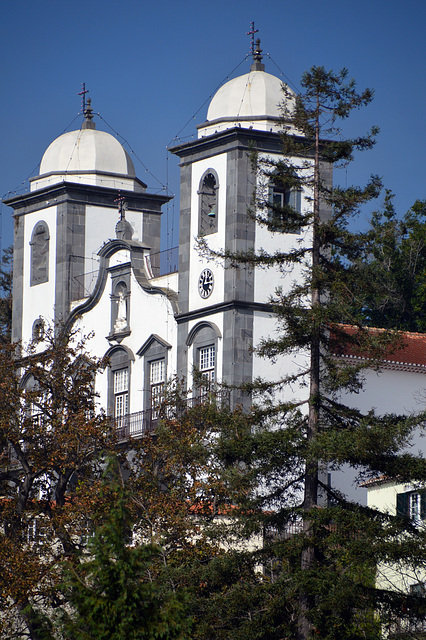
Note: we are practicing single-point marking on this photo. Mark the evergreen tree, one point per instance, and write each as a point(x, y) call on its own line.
point(398, 263)
point(323, 559)
point(112, 593)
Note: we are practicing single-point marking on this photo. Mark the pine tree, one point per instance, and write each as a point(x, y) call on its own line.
point(324, 559)
point(112, 594)
point(398, 263)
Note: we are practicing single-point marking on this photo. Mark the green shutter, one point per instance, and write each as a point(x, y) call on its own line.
point(402, 505)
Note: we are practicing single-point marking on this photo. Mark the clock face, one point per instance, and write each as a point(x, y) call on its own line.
point(205, 283)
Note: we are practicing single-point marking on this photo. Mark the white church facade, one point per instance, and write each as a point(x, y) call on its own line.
point(87, 238)
point(86, 247)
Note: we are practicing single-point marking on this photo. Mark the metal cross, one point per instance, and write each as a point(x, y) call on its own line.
point(121, 208)
point(251, 34)
point(82, 93)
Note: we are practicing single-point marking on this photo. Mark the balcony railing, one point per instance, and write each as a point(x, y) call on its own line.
point(408, 629)
point(135, 425)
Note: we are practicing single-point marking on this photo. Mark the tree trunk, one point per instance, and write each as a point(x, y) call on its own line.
point(311, 470)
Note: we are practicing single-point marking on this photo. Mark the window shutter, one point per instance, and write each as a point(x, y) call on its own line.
point(423, 505)
point(402, 505)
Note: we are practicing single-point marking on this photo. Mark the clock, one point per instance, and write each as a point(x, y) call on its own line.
point(205, 283)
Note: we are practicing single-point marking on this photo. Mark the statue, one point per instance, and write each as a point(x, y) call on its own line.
point(121, 321)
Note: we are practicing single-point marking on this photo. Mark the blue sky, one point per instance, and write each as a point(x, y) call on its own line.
point(151, 68)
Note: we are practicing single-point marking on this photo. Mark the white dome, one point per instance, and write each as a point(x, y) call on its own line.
point(251, 101)
point(87, 150)
point(254, 94)
point(87, 157)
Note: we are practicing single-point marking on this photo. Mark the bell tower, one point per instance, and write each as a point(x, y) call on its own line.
point(222, 307)
point(69, 213)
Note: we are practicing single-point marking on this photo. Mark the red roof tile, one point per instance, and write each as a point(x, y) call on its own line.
point(411, 356)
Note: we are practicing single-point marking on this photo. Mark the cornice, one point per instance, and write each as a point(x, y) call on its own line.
point(221, 307)
point(85, 194)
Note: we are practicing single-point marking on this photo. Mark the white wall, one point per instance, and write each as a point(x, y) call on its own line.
point(150, 313)
point(100, 227)
point(386, 391)
point(396, 576)
point(268, 280)
point(265, 326)
point(39, 299)
point(215, 241)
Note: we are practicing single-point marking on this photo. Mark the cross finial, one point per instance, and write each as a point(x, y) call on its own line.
point(251, 34)
point(88, 116)
point(82, 93)
point(123, 228)
point(121, 201)
point(257, 64)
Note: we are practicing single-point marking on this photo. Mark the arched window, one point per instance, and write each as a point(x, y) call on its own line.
point(39, 254)
point(208, 199)
point(119, 388)
point(204, 339)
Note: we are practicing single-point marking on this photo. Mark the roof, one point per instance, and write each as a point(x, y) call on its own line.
point(410, 356)
point(254, 94)
point(87, 150)
point(252, 101)
point(376, 481)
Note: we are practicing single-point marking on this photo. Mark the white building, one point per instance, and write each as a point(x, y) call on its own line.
point(407, 500)
point(86, 252)
point(79, 260)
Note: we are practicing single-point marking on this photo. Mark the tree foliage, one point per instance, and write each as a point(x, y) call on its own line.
point(113, 594)
point(53, 440)
point(398, 262)
point(322, 549)
point(6, 295)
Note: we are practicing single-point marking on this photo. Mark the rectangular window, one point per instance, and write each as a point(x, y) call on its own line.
point(415, 506)
point(206, 361)
point(280, 198)
point(289, 197)
point(36, 532)
point(412, 505)
point(121, 381)
point(157, 379)
point(121, 396)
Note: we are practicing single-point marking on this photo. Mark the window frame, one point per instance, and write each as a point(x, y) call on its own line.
point(157, 389)
point(121, 394)
point(39, 254)
point(207, 202)
point(120, 358)
point(405, 507)
point(207, 374)
point(202, 335)
point(289, 197)
point(154, 349)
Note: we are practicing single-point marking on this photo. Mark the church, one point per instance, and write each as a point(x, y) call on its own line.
point(87, 254)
